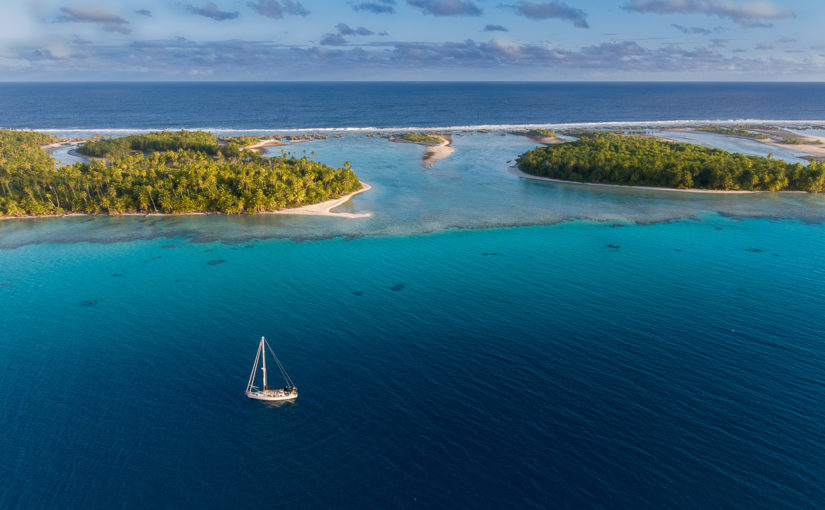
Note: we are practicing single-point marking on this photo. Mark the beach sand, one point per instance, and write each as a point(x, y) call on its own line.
point(325, 208)
point(815, 148)
point(320, 209)
point(517, 172)
point(436, 153)
point(261, 146)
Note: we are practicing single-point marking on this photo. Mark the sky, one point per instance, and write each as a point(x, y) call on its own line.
point(432, 40)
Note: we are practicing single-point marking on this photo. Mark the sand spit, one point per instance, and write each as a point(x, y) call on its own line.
point(325, 208)
point(436, 153)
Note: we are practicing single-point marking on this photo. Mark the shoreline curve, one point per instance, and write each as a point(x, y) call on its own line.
point(523, 175)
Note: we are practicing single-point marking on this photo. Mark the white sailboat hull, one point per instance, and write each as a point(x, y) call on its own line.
point(266, 392)
point(272, 396)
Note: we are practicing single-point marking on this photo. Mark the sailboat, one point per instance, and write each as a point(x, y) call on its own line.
point(288, 392)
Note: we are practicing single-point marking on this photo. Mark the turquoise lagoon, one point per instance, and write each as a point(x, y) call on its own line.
point(480, 341)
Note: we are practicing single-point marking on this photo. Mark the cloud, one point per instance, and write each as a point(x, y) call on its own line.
point(547, 10)
point(495, 28)
point(338, 39)
point(210, 10)
point(379, 7)
point(278, 9)
point(785, 40)
point(447, 7)
point(749, 14)
point(100, 17)
point(181, 58)
point(691, 30)
point(144, 12)
point(345, 29)
point(333, 40)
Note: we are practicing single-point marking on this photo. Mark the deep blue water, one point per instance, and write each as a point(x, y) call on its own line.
point(507, 368)
point(479, 342)
point(268, 106)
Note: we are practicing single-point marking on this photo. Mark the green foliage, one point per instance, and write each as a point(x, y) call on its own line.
point(200, 141)
point(736, 131)
point(797, 141)
point(536, 133)
point(165, 180)
point(642, 161)
point(423, 138)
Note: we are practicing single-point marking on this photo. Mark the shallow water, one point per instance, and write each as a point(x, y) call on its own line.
point(480, 341)
point(469, 189)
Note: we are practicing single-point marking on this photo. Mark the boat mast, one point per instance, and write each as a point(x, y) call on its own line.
point(254, 369)
point(264, 361)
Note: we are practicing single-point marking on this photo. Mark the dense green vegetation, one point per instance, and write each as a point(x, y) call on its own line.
point(424, 138)
point(735, 131)
point(199, 141)
point(642, 161)
point(536, 133)
point(160, 172)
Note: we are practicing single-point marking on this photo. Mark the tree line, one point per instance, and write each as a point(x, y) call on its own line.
point(165, 172)
point(611, 158)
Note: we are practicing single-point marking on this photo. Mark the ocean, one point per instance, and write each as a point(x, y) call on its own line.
point(479, 342)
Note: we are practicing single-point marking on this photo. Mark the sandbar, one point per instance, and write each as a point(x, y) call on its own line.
point(260, 146)
point(436, 153)
point(814, 145)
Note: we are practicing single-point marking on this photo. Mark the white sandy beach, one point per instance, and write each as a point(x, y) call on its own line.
point(260, 146)
point(814, 146)
point(325, 208)
point(320, 209)
point(436, 153)
point(517, 172)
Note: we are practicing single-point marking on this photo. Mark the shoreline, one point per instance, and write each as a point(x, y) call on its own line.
point(261, 146)
point(436, 153)
point(776, 138)
point(319, 209)
point(325, 208)
point(518, 173)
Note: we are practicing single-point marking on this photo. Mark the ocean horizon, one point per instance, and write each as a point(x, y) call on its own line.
point(479, 341)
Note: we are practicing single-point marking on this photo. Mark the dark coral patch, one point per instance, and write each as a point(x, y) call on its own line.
point(90, 302)
point(117, 275)
point(216, 262)
point(614, 246)
point(754, 250)
point(358, 292)
point(397, 287)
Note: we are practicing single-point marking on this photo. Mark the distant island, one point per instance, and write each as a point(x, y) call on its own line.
point(161, 173)
point(610, 158)
point(438, 145)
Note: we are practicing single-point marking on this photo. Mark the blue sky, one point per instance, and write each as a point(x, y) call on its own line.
point(413, 40)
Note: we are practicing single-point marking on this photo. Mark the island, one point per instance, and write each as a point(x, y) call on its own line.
point(438, 145)
point(630, 160)
point(183, 172)
point(544, 136)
